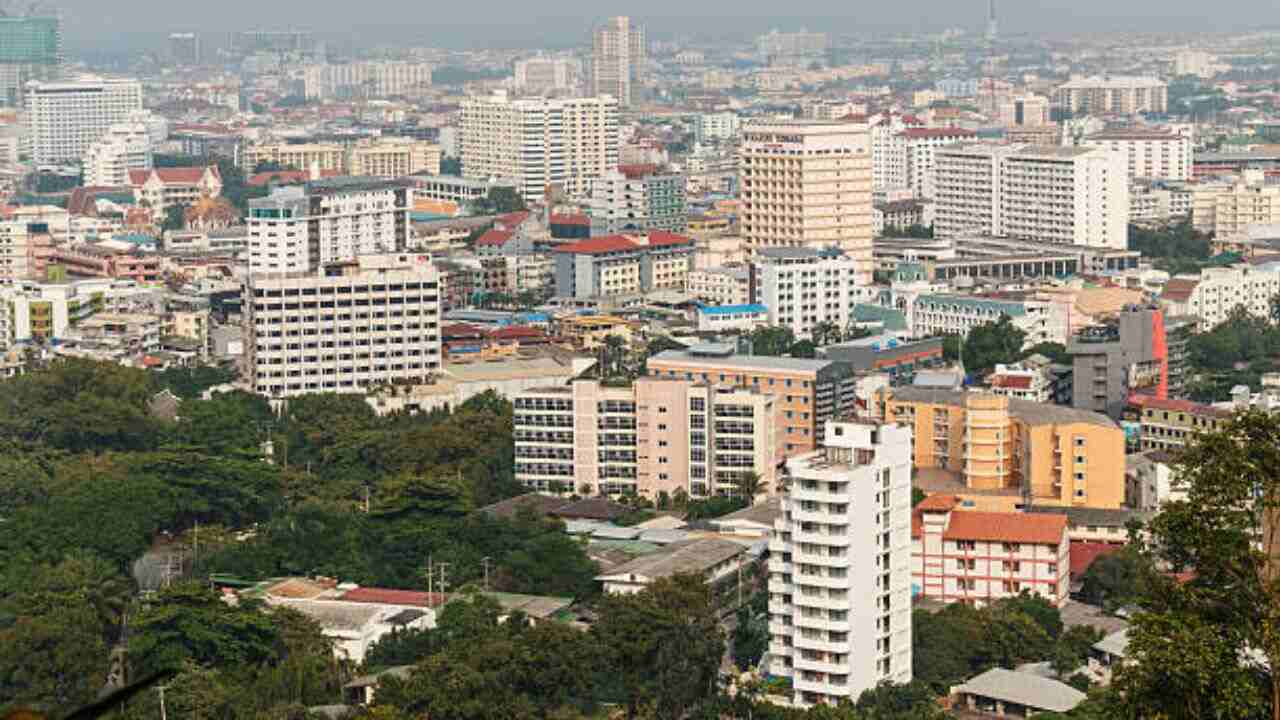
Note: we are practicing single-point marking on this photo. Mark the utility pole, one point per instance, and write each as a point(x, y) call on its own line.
point(485, 561)
point(444, 581)
point(430, 577)
point(160, 689)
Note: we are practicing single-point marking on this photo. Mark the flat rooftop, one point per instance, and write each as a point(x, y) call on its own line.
point(742, 362)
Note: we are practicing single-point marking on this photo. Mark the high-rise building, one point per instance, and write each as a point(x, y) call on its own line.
point(1066, 195)
point(368, 79)
point(804, 287)
point(1024, 111)
point(629, 264)
point(656, 436)
point(124, 147)
point(718, 127)
point(1229, 209)
point(298, 229)
point(65, 118)
point(184, 48)
point(30, 50)
point(1119, 95)
point(840, 566)
point(808, 184)
point(637, 198)
point(1151, 155)
point(790, 49)
point(1114, 361)
point(267, 41)
point(618, 57)
point(920, 144)
point(539, 142)
point(344, 327)
point(993, 26)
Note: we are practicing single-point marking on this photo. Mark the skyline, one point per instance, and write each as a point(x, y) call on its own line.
point(568, 22)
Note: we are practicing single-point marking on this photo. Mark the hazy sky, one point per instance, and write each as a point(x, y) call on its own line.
point(92, 23)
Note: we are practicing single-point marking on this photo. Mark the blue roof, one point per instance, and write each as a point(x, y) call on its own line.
point(732, 309)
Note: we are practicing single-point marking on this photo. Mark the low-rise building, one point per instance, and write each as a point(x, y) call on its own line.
point(1018, 381)
point(727, 318)
point(931, 315)
point(730, 285)
point(897, 356)
point(711, 558)
point(1005, 693)
point(623, 265)
point(1217, 292)
point(162, 188)
point(638, 198)
point(1164, 424)
point(981, 557)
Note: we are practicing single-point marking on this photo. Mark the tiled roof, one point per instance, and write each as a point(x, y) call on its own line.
point(574, 219)
point(512, 220)
point(638, 170)
point(384, 596)
point(460, 330)
point(597, 246)
point(515, 332)
point(659, 238)
point(1043, 529)
point(495, 237)
point(1179, 289)
point(1149, 402)
point(171, 175)
point(938, 503)
point(1013, 382)
point(1084, 553)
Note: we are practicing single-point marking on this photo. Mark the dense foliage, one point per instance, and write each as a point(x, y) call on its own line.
point(1176, 248)
point(1236, 352)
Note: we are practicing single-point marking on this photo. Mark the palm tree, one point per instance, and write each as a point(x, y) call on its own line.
point(750, 484)
point(615, 350)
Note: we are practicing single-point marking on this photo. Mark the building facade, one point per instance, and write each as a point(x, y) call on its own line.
point(1151, 155)
point(808, 184)
point(1112, 362)
point(539, 143)
point(297, 229)
point(658, 436)
point(1062, 195)
point(1218, 292)
point(617, 265)
point(839, 567)
point(124, 147)
point(619, 56)
point(65, 118)
point(30, 50)
point(1113, 95)
point(638, 198)
point(804, 287)
point(344, 328)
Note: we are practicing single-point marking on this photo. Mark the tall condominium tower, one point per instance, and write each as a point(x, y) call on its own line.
point(539, 142)
point(807, 183)
point(65, 118)
point(840, 565)
point(30, 49)
point(617, 60)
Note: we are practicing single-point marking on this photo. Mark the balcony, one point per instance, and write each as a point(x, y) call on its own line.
point(800, 664)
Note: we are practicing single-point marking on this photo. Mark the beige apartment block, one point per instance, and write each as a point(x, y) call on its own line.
point(655, 436)
point(618, 57)
point(1118, 95)
point(330, 157)
point(1151, 154)
point(395, 157)
point(808, 184)
point(1228, 210)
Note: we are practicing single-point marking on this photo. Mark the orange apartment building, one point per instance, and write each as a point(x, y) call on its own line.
point(999, 453)
point(979, 557)
point(808, 392)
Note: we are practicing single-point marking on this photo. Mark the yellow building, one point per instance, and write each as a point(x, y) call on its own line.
point(1003, 453)
point(302, 156)
point(395, 157)
point(588, 332)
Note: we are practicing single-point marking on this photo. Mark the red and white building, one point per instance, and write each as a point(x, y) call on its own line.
point(163, 188)
point(980, 557)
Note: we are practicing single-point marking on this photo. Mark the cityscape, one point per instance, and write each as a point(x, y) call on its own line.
point(660, 365)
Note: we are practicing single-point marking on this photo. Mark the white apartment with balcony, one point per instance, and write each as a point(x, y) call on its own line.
point(980, 557)
point(65, 118)
point(1217, 292)
point(1064, 195)
point(803, 287)
point(344, 328)
point(297, 229)
point(539, 142)
point(1151, 154)
point(124, 147)
point(840, 566)
point(807, 183)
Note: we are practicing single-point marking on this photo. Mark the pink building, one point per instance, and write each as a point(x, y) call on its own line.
point(979, 557)
point(95, 261)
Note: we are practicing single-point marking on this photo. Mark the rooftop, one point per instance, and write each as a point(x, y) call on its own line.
point(1024, 689)
point(732, 309)
point(1027, 411)
point(1040, 529)
point(693, 556)
point(744, 362)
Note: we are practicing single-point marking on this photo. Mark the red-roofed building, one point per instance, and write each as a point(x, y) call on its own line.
point(383, 596)
point(978, 557)
point(1018, 381)
point(1084, 553)
point(575, 226)
point(1167, 424)
point(162, 188)
point(623, 265)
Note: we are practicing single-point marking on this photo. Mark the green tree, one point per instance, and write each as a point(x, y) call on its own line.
point(771, 341)
point(1201, 644)
point(1056, 352)
point(803, 349)
point(190, 622)
point(664, 645)
point(175, 218)
point(1114, 580)
point(990, 344)
point(750, 638)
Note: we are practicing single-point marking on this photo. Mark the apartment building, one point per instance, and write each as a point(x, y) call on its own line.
point(123, 148)
point(792, 48)
point(623, 265)
point(1024, 111)
point(717, 127)
point(657, 436)
point(1158, 202)
point(538, 75)
point(1166, 424)
point(729, 285)
point(65, 118)
point(345, 327)
point(297, 229)
point(16, 248)
point(1061, 195)
point(367, 79)
point(1003, 453)
point(322, 157)
point(1217, 292)
point(804, 287)
point(808, 392)
point(619, 59)
point(1112, 95)
point(162, 188)
point(1113, 361)
point(808, 184)
point(539, 142)
point(636, 198)
point(1228, 209)
point(981, 557)
point(1153, 155)
point(46, 312)
point(889, 151)
point(929, 315)
point(920, 144)
point(840, 564)
point(99, 261)
point(33, 51)
point(394, 158)
point(1022, 382)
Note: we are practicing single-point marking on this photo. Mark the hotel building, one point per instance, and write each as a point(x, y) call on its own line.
point(65, 118)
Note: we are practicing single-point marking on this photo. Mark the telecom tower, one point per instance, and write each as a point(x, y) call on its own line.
point(992, 26)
